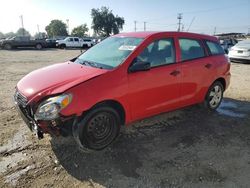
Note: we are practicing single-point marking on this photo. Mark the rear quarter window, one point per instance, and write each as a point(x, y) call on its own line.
point(214, 48)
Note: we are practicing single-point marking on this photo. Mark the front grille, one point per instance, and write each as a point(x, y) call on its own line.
point(20, 99)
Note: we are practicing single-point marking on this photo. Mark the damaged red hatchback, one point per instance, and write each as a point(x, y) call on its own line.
point(124, 78)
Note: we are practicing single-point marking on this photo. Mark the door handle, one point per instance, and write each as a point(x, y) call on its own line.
point(175, 73)
point(208, 66)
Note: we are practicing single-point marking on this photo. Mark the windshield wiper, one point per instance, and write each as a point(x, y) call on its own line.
point(92, 64)
point(89, 63)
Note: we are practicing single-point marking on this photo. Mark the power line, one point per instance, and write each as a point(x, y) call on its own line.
point(190, 24)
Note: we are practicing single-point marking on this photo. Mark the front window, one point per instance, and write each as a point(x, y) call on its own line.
point(159, 52)
point(109, 53)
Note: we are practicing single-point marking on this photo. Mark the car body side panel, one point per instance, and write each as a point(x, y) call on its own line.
point(110, 86)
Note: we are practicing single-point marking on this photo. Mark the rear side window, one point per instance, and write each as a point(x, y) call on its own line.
point(191, 49)
point(214, 48)
point(76, 39)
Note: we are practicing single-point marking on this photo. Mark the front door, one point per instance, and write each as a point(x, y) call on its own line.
point(158, 89)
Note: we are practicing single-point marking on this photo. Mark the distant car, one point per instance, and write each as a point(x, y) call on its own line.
point(22, 41)
point(124, 78)
point(90, 41)
point(240, 52)
point(227, 44)
point(51, 43)
point(73, 42)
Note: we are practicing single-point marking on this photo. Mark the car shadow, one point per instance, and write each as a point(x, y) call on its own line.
point(158, 151)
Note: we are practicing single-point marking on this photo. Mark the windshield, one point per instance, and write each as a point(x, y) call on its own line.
point(109, 53)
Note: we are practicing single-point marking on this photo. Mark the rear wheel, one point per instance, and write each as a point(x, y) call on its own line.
point(39, 46)
point(84, 46)
point(214, 96)
point(62, 46)
point(98, 128)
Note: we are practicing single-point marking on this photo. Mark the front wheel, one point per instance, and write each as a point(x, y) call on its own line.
point(214, 96)
point(97, 129)
point(7, 47)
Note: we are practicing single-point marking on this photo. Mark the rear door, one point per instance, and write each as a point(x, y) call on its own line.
point(197, 70)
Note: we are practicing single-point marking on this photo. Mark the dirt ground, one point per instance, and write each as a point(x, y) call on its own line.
point(185, 148)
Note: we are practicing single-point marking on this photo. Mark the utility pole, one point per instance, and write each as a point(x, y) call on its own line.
point(179, 17)
point(135, 25)
point(182, 28)
point(21, 18)
point(144, 26)
point(38, 31)
point(68, 24)
point(215, 30)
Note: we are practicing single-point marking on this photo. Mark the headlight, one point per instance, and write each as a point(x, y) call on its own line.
point(50, 108)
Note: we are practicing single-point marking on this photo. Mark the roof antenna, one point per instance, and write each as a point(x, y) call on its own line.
point(190, 24)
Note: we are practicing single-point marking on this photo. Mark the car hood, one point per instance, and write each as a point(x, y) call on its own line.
point(55, 79)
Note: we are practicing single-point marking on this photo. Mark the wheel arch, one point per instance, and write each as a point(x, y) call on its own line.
point(222, 81)
point(113, 104)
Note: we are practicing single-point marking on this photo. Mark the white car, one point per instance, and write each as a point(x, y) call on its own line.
point(240, 52)
point(73, 42)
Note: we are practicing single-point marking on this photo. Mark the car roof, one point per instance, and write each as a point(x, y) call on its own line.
point(147, 34)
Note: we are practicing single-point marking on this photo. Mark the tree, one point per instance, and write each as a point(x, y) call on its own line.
point(22, 32)
point(105, 23)
point(1, 35)
point(10, 34)
point(40, 35)
point(56, 28)
point(80, 31)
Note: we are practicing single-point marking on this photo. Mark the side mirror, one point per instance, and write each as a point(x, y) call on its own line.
point(140, 66)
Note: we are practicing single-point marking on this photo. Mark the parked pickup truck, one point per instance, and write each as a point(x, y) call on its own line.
point(73, 42)
point(22, 41)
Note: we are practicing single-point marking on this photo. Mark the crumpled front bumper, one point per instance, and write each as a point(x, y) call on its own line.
point(30, 122)
point(60, 126)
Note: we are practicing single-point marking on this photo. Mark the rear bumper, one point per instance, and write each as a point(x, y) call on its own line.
point(239, 60)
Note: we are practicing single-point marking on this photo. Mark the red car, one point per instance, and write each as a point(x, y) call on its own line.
point(124, 78)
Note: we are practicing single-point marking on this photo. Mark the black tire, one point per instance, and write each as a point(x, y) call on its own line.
point(39, 46)
point(97, 129)
point(84, 46)
point(214, 96)
point(7, 47)
point(62, 46)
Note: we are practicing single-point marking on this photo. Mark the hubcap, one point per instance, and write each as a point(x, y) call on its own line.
point(100, 127)
point(215, 96)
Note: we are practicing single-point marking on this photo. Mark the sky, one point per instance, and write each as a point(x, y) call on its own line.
point(209, 17)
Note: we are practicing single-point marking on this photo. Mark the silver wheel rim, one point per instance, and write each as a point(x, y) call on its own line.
point(215, 96)
point(38, 46)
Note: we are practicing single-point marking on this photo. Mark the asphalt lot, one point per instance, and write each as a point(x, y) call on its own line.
point(184, 148)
